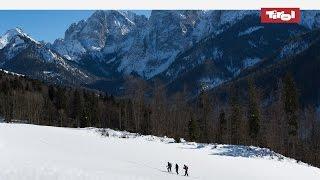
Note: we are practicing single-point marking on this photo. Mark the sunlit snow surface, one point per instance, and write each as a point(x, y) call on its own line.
point(29, 152)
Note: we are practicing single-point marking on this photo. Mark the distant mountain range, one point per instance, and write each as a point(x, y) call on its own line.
point(184, 49)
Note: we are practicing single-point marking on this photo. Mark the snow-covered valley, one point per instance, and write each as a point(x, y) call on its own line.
point(30, 152)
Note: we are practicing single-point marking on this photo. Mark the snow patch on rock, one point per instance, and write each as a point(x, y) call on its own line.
point(310, 19)
point(71, 50)
point(12, 73)
point(249, 62)
point(209, 82)
point(250, 30)
point(217, 54)
point(293, 48)
point(234, 70)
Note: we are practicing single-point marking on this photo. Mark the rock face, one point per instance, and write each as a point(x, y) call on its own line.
point(103, 30)
point(179, 47)
point(166, 34)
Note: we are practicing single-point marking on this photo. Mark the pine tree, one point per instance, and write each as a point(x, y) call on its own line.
point(61, 99)
point(193, 129)
point(253, 112)
point(146, 125)
point(51, 93)
point(8, 108)
point(291, 107)
point(223, 127)
point(77, 106)
point(204, 110)
point(235, 117)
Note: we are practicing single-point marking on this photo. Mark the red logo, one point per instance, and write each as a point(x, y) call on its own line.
point(280, 15)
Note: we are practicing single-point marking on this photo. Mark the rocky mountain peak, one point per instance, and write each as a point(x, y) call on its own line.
point(102, 29)
point(17, 35)
point(102, 25)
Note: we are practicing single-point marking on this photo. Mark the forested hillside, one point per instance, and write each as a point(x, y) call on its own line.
point(282, 125)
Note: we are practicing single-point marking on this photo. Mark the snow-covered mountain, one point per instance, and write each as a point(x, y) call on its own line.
point(14, 41)
point(22, 54)
point(102, 32)
point(140, 45)
point(31, 152)
point(151, 47)
point(170, 45)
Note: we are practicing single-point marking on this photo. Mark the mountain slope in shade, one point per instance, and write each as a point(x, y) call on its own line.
point(222, 57)
point(303, 64)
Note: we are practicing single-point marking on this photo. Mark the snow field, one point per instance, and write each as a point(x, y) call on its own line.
point(30, 152)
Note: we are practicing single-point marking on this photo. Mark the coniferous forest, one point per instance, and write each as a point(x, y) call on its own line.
point(281, 123)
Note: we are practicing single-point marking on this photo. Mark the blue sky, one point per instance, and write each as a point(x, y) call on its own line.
point(44, 25)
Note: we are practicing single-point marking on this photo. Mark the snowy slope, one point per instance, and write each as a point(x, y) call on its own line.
point(30, 152)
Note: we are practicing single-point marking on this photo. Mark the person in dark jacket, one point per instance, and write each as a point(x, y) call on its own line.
point(177, 169)
point(169, 167)
point(185, 170)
